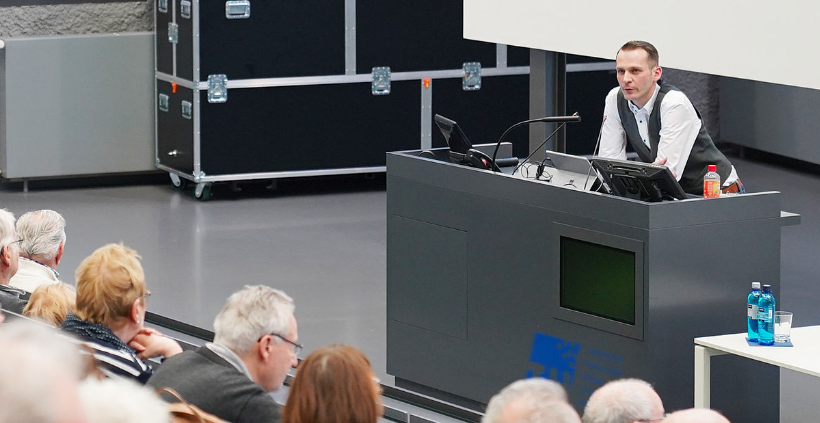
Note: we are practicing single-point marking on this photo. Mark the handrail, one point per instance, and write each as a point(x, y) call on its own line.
point(178, 326)
point(392, 392)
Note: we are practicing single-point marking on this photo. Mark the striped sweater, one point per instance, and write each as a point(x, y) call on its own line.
point(112, 356)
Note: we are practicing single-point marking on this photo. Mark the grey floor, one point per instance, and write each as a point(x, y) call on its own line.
point(323, 242)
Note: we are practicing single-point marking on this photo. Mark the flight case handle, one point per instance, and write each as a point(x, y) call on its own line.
point(237, 9)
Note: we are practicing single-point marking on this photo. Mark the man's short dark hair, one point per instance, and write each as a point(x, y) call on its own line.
point(645, 46)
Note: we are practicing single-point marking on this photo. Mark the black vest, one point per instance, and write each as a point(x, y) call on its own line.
point(703, 151)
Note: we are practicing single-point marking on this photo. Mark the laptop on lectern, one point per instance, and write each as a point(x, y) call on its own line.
point(570, 171)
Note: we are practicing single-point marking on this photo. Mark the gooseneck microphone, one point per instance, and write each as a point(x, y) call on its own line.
point(554, 119)
point(536, 149)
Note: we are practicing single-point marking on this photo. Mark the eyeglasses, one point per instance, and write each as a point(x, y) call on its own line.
point(19, 241)
point(146, 295)
point(297, 348)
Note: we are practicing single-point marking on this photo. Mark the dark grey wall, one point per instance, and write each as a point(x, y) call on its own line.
point(770, 117)
point(704, 92)
point(85, 18)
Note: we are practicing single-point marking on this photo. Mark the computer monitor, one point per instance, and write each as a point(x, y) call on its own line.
point(598, 280)
point(461, 149)
point(458, 142)
point(641, 181)
point(601, 280)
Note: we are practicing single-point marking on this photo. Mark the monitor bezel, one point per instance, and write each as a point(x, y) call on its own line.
point(604, 324)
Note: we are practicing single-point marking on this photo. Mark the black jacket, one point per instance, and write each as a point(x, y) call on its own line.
point(209, 382)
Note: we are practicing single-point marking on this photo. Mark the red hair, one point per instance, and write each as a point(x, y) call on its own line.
point(333, 384)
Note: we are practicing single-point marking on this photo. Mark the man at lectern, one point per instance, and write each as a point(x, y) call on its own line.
point(660, 123)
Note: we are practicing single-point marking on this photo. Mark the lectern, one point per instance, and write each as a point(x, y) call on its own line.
point(492, 278)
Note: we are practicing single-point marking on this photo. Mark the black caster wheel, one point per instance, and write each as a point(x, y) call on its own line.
point(202, 192)
point(177, 182)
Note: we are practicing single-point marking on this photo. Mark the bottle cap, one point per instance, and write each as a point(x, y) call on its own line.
point(767, 288)
point(755, 285)
point(712, 168)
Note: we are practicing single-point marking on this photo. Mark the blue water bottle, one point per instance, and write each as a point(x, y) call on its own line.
point(765, 317)
point(752, 304)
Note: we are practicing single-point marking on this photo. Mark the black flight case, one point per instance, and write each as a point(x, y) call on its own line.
point(263, 89)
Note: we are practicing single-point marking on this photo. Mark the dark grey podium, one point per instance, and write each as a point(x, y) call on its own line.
point(493, 278)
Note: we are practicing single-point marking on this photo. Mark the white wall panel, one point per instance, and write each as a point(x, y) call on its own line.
point(76, 105)
point(755, 39)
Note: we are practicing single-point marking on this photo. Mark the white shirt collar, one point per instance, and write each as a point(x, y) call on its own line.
point(649, 104)
point(51, 269)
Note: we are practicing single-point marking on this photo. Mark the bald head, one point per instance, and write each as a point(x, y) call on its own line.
point(623, 401)
point(524, 411)
point(696, 415)
point(531, 400)
point(552, 412)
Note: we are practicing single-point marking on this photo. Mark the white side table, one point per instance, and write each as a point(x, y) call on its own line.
point(804, 357)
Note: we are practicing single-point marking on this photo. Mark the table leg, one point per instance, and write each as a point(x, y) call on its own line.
point(703, 375)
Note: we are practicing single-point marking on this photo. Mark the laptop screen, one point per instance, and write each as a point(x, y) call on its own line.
point(570, 171)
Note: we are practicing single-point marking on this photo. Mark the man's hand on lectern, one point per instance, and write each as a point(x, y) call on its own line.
point(662, 162)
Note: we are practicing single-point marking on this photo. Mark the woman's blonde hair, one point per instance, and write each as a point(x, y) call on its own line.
point(108, 283)
point(51, 303)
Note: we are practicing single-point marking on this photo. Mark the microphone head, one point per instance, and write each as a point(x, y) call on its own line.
point(559, 119)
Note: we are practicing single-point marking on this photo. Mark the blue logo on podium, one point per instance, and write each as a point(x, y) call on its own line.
point(558, 356)
point(580, 369)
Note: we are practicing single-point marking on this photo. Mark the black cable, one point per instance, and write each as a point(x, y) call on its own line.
point(563, 119)
point(539, 147)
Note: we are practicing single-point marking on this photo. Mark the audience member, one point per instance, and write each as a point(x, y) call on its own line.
point(43, 235)
point(624, 401)
point(39, 373)
point(555, 412)
point(122, 401)
point(535, 400)
point(696, 415)
point(254, 347)
point(11, 299)
point(51, 303)
point(110, 312)
point(334, 384)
